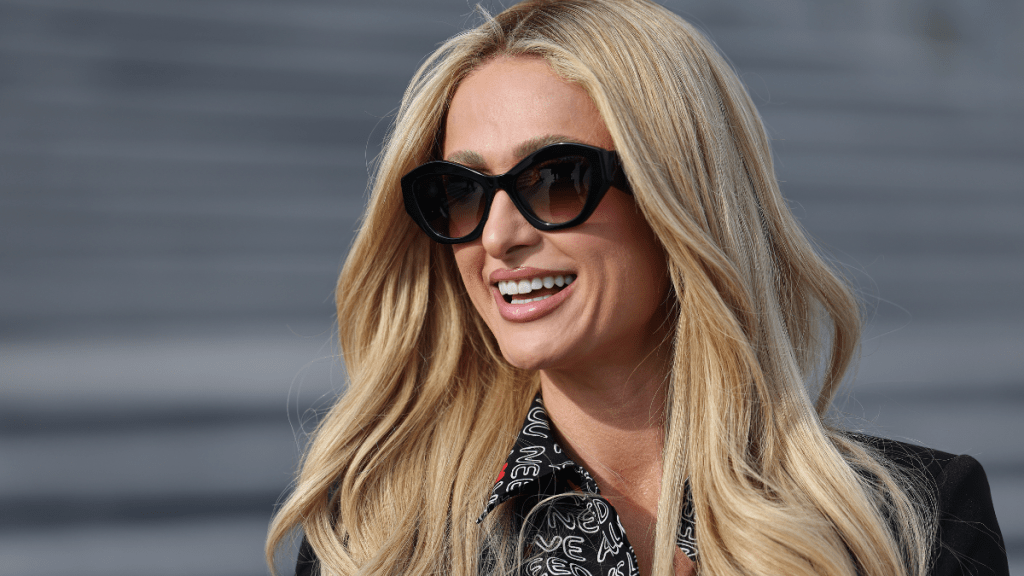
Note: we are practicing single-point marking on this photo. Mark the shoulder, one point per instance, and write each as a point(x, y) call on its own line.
point(307, 563)
point(969, 540)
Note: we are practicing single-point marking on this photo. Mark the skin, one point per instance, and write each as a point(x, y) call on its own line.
point(603, 352)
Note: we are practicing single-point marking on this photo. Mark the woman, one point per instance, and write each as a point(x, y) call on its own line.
point(576, 250)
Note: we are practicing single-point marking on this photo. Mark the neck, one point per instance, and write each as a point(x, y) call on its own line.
point(610, 419)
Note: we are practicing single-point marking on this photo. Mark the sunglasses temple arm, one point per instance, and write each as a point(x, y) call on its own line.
point(618, 177)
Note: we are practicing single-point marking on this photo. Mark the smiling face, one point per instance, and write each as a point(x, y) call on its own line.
point(609, 306)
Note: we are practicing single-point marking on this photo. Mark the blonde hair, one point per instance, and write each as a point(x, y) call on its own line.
point(398, 471)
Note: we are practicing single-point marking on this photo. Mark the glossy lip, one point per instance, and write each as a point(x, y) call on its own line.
point(523, 273)
point(531, 310)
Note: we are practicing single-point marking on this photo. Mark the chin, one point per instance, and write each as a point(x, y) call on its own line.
point(533, 359)
point(523, 361)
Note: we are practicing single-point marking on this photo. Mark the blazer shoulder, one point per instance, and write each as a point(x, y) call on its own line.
point(968, 539)
point(911, 457)
point(307, 563)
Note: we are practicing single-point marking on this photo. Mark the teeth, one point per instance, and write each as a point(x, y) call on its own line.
point(525, 286)
point(528, 300)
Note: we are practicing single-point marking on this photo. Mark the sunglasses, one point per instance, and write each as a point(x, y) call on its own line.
point(556, 187)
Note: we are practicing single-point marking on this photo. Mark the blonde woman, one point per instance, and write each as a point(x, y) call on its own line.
point(577, 275)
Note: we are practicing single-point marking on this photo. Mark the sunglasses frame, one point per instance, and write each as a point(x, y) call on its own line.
point(607, 172)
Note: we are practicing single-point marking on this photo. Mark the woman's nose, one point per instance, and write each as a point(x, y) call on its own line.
point(506, 230)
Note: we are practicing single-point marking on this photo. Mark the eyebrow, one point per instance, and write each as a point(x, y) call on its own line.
point(467, 158)
point(471, 159)
point(534, 144)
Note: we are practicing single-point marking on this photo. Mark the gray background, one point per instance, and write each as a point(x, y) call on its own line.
point(180, 181)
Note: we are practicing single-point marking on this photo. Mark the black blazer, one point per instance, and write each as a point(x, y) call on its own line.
point(969, 542)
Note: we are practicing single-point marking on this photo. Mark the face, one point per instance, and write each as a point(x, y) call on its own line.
point(611, 306)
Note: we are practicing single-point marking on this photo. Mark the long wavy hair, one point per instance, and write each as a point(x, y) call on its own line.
point(398, 471)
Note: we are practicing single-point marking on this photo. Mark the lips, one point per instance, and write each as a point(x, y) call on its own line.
point(526, 294)
point(533, 289)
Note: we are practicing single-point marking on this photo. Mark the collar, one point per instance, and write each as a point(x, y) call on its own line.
point(537, 463)
point(534, 459)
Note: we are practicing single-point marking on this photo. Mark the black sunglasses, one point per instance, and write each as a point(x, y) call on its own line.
point(556, 187)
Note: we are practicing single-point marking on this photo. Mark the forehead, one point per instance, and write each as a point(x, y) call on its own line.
point(509, 102)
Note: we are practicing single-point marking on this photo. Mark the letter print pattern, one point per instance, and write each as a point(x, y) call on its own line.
point(579, 533)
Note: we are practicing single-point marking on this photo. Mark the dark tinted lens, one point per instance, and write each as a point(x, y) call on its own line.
point(452, 205)
point(556, 189)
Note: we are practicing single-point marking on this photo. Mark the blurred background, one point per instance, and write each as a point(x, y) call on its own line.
point(180, 181)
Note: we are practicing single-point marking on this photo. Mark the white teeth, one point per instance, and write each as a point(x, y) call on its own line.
point(528, 300)
point(525, 286)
